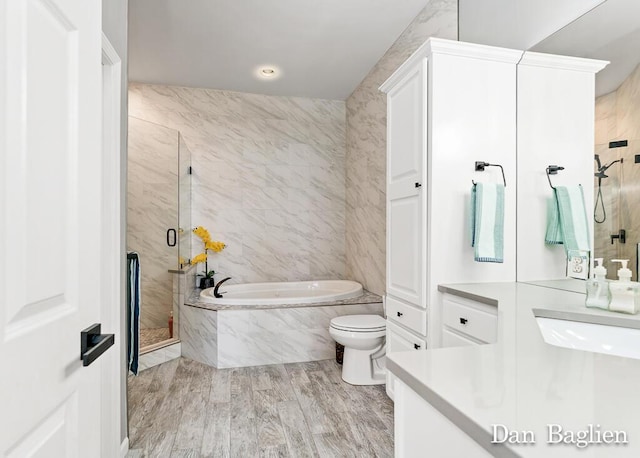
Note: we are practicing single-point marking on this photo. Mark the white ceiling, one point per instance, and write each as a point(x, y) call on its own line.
point(516, 24)
point(610, 32)
point(323, 47)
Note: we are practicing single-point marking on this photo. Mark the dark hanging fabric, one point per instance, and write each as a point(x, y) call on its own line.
point(133, 311)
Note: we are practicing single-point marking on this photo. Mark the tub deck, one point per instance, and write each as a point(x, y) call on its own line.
point(250, 335)
point(196, 301)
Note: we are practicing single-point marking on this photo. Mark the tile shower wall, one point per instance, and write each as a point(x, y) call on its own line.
point(618, 118)
point(366, 147)
point(269, 177)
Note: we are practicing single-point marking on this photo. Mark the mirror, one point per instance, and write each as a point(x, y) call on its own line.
point(611, 32)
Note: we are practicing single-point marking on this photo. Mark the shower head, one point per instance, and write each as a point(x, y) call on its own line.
point(603, 168)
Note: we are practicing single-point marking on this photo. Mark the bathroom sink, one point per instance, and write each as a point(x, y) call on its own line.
point(597, 338)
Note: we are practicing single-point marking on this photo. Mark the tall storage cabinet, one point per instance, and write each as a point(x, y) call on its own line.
point(449, 105)
point(406, 180)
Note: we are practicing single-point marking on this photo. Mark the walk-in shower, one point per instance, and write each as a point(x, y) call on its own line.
point(616, 231)
point(158, 223)
point(600, 174)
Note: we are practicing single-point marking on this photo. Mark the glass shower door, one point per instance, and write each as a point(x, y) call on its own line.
point(617, 198)
point(152, 210)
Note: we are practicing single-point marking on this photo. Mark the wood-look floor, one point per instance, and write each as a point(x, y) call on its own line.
point(186, 409)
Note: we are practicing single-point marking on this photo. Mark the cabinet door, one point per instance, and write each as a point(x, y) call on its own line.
point(406, 186)
point(419, 426)
point(399, 339)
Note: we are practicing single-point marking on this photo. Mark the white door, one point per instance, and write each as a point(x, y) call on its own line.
point(50, 226)
point(406, 188)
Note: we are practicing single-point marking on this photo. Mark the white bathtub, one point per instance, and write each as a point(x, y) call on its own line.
point(300, 292)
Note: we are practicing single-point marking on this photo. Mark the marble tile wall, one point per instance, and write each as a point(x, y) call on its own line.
point(366, 147)
point(618, 118)
point(159, 356)
point(238, 338)
point(152, 208)
point(269, 178)
point(199, 331)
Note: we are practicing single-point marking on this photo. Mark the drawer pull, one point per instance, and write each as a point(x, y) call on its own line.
point(463, 320)
point(400, 313)
point(416, 346)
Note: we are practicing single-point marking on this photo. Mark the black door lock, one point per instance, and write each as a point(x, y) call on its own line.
point(93, 344)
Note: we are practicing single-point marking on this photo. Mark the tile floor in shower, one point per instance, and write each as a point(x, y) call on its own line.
point(152, 336)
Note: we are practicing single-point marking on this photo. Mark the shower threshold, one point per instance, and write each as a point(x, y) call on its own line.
point(155, 338)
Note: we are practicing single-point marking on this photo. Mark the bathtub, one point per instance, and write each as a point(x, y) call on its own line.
point(299, 292)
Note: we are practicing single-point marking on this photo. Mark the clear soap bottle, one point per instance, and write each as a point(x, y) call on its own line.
point(598, 295)
point(625, 294)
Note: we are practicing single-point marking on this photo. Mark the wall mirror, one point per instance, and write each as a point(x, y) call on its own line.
point(611, 32)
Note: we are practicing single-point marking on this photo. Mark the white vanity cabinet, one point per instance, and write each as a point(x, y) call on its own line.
point(467, 322)
point(449, 105)
point(421, 430)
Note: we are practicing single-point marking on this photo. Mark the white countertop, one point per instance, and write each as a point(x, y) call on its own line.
point(523, 382)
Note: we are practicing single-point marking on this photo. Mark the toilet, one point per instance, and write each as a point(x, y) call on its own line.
point(363, 337)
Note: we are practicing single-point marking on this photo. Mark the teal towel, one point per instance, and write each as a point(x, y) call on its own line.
point(553, 236)
point(567, 221)
point(487, 222)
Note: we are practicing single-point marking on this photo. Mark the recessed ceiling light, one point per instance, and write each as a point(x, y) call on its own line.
point(268, 72)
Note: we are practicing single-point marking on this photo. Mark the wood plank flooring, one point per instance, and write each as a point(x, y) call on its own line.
point(183, 408)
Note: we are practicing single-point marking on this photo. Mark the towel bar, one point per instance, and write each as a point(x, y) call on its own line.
point(553, 170)
point(480, 165)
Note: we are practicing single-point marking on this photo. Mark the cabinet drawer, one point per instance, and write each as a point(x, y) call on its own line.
point(407, 315)
point(452, 339)
point(400, 340)
point(479, 321)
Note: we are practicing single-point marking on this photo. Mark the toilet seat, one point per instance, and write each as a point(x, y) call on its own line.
point(359, 323)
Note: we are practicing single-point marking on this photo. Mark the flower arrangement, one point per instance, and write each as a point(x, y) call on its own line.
point(209, 244)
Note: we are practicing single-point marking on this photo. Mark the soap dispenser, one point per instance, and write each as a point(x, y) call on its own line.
point(624, 293)
point(598, 288)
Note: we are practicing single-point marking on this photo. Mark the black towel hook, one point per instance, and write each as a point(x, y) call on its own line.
point(480, 165)
point(553, 170)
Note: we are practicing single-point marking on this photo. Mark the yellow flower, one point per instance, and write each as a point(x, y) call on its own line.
point(202, 233)
point(215, 246)
point(181, 260)
point(202, 257)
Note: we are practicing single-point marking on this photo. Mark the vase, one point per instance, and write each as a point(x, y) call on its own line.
point(207, 282)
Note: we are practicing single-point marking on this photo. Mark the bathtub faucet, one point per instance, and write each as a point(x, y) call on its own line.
point(215, 290)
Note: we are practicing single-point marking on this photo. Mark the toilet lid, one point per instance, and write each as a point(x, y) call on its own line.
point(359, 323)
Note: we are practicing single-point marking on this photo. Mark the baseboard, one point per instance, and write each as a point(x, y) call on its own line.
point(124, 447)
